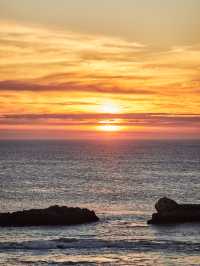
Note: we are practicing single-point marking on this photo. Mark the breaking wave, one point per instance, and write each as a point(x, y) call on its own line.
point(73, 243)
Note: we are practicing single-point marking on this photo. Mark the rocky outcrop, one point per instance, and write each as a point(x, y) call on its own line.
point(169, 211)
point(54, 215)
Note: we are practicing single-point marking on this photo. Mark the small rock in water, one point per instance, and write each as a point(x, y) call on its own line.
point(54, 215)
point(169, 211)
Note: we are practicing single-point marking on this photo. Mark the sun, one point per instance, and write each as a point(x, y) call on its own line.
point(113, 124)
point(110, 108)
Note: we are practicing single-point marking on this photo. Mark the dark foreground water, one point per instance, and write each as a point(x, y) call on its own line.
point(120, 180)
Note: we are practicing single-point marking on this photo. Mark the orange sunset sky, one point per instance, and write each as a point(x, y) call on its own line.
point(87, 69)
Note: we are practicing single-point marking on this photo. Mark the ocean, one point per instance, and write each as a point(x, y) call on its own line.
point(119, 180)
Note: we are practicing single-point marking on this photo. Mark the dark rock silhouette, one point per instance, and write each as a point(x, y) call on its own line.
point(54, 215)
point(169, 211)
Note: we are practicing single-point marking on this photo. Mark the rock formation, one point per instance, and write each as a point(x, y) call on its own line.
point(168, 211)
point(54, 215)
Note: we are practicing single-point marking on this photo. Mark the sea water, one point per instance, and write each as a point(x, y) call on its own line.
point(120, 180)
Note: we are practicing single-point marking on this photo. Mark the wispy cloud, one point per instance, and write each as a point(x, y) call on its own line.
point(13, 85)
point(128, 119)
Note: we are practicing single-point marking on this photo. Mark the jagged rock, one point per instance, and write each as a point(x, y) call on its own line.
point(54, 215)
point(169, 211)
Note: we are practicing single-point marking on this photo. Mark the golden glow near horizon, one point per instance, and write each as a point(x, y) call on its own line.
point(109, 128)
point(58, 82)
point(113, 125)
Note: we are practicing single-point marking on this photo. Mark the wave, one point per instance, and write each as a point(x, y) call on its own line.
point(56, 263)
point(92, 244)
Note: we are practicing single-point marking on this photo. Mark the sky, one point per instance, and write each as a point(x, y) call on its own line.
point(99, 69)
